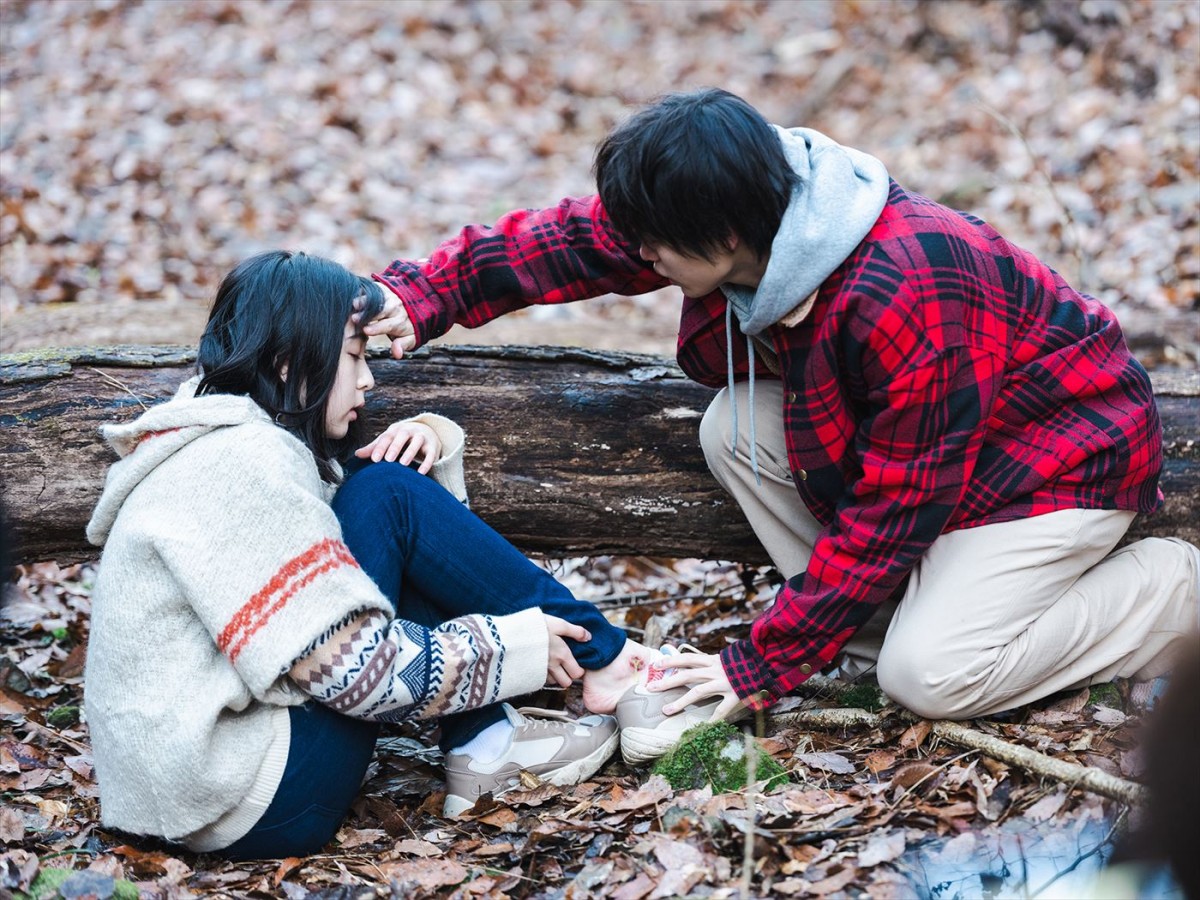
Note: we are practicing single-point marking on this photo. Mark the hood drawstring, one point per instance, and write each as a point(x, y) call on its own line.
point(733, 397)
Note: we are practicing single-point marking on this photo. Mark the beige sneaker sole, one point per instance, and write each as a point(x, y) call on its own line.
point(642, 745)
point(570, 774)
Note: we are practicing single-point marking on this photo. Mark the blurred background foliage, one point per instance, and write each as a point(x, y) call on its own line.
point(146, 147)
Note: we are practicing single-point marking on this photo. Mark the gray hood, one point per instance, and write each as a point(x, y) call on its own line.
point(836, 202)
point(841, 193)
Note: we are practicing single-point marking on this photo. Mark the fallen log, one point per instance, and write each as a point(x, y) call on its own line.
point(570, 452)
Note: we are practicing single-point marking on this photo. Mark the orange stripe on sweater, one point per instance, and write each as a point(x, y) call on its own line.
point(292, 576)
point(153, 434)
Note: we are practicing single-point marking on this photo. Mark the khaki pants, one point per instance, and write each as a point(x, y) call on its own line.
point(996, 616)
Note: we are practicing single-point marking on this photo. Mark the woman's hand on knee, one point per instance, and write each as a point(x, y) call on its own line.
point(561, 667)
point(402, 442)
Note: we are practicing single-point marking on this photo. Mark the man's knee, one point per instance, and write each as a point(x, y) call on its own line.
point(912, 677)
point(716, 432)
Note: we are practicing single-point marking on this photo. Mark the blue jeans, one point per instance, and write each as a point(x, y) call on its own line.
point(435, 560)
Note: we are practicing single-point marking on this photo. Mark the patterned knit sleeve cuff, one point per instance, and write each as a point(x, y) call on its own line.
point(448, 470)
point(526, 647)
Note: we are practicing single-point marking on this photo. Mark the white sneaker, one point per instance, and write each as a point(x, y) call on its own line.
point(646, 731)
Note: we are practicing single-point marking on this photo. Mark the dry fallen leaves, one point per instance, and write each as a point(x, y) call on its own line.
point(863, 804)
point(149, 147)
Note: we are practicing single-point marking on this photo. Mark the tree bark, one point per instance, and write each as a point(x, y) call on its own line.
point(570, 452)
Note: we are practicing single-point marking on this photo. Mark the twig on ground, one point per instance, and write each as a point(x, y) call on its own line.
point(748, 846)
point(1072, 774)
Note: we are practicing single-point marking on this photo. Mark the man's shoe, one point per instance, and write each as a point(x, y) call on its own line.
point(557, 749)
point(646, 731)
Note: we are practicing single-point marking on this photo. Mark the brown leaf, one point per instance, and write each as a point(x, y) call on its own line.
point(12, 825)
point(349, 838)
point(1065, 710)
point(148, 862)
point(8, 762)
point(72, 666)
point(27, 756)
point(52, 809)
point(29, 781)
point(799, 858)
point(950, 813)
point(1046, 807)
point(636, 889)
point(835, 882)
point(882, 848)
point(529, 780)
point(810, 802)
point(914, 773)
point(685, 864)
point(827, 762)
point(914, 736)
point(80, 765)
point(414, 847)
point(997, 768)
point(285, 868)
point(430, 806)
point(655, 790)
point(107, 865)
point(499, 818)
point(1107, 716)
point(879, 760)
point(533, 797)
point(428, 874)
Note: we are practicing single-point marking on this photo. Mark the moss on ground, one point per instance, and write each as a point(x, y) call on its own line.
point(49, 881)
point(715, 754)
point(1107, 694)
point(864, 696)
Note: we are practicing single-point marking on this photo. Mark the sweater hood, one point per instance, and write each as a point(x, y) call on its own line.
point(838, 199)
point(157, 434)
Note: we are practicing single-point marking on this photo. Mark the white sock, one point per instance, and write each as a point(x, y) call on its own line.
point(490, 744)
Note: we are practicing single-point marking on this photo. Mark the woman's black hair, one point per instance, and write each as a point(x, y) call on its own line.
point(281, 308)
point(693, 169)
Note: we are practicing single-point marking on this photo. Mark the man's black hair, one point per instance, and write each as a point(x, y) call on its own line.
point(691, 170)
point(288, 308)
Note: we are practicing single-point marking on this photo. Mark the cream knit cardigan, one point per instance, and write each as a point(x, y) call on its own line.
point(222, 563)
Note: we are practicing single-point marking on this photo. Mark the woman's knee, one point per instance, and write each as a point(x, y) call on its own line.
point(383, 476)
point(378, 484)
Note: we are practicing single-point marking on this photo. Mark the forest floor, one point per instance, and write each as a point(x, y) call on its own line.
point(145, 148)
point(885, 808)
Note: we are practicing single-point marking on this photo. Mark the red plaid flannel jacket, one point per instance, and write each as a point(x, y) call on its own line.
point(944, 379)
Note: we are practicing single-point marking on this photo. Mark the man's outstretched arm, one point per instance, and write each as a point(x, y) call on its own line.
point(556, 255)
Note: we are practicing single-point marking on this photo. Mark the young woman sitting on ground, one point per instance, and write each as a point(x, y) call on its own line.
point(258, 611)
